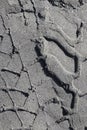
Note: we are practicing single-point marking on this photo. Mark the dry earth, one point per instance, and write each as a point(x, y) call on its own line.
point(43, 64)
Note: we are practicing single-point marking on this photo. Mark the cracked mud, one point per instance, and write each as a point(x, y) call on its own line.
point(43, 65)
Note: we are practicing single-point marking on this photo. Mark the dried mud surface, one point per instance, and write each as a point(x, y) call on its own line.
point(43, 65)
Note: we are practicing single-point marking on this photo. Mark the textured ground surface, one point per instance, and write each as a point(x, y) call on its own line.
point(43, 65)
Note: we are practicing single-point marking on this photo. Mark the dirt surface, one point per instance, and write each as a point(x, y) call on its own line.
point(43, 65)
